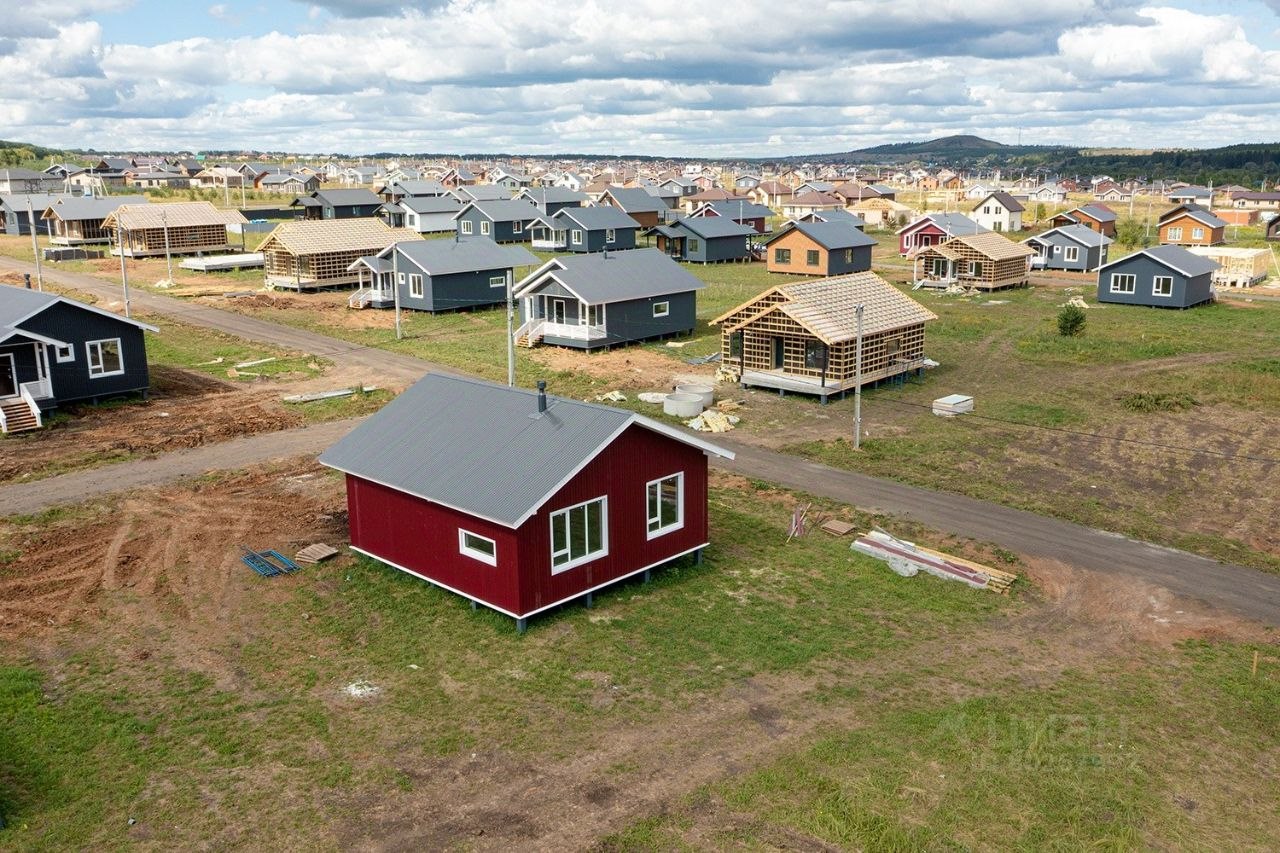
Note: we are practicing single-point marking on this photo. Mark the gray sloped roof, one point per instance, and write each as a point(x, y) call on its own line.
point(837, 215)
point(343, 198)
point(635, 200)
point(18, 303)
point(1175, 258)
point(1100, 213)
point(418, 188)
point(1010, 203)
point(39, 201)
point(85, 207)
point(502, 461)
point(830, 235)
point(552, 195)
point(740, 209)
point(596, 218)
point(604, 277)
point(1082, 234)
point(504, 210)
point(711, 227)
point(482, 192)
point(431, 204)
point(466, 254)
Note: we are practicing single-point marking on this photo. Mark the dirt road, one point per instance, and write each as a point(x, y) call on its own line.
point(1238, 589)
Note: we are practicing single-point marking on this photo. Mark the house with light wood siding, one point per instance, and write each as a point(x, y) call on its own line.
point(76, 221)
point(181, 228)
point(310, 254)
point(819, 248)
point(985, 261)
point(803, 336)
point(1097, 217)
point(1192, 225)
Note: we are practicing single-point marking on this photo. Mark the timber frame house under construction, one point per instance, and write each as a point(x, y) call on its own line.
point(803, 336)
point(985, 261)
point(309, 254)
point(179, 228)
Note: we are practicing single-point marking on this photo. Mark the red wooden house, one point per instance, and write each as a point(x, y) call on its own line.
point(933, 229)
point(520, 501)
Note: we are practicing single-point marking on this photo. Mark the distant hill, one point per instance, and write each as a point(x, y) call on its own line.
point(960, 150)
point(942, 145)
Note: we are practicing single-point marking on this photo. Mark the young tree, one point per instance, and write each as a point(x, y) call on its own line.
point(1071, 321)
point(1131, 232)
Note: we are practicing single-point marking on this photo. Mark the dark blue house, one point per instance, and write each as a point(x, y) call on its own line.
point(441, 275)
point(586, 229)
point(1160, 277)
point(338, 204)
point(705, 239)
point(603, 299)
point(1077, 248)
point(551, 200)
point(501, 220)
point(55, 351)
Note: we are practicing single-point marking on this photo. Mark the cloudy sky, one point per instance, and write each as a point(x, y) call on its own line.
point(699, 78)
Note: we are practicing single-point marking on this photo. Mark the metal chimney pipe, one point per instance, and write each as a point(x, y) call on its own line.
point(542, 396)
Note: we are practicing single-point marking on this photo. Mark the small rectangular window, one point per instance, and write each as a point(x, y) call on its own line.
point(1175, 234)
point(1072, 253)
point(477, 547)
point(610, 236)
point(467, 226)
point(1197, 233)
point(665, 501)
point(782, 256)
point(1162, 285)
point(64, 353)
point(517, 227)
point(576, 236)
point(415, 286)
point(1123, 282)
point(497, 281)
point(484, 227)
point(579, 534)
point(975, 269)
point(104, 357)
point(811, 258)
point(661, 309)
point(694, 245)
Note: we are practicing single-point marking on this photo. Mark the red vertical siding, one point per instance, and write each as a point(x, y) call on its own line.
point(423, 537)
point(621, 471)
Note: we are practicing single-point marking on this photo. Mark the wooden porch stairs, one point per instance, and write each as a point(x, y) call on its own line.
point(528, 341)
point(18, 416)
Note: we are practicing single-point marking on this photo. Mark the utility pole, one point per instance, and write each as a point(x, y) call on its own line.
point(395, 286)
point(857, 373)
point(226, 188)
point(511, 340)
point(124, 272)
point(35, 245)
point(168, 258)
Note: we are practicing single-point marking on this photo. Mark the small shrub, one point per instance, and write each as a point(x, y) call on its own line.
point(1151, 401)
point(1071, 321)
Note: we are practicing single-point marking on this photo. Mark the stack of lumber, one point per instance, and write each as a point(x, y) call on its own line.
point(317, 553)
point(909, 559)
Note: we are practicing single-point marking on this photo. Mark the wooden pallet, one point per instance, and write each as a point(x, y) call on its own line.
point(317, 553)
point(836, 527)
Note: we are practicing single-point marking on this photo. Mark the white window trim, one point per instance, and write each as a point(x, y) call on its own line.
point(1175, 233)
point(416, 289)
point(63, 354)
point(1132, 282)
point(679, 522)
point(484, 227)
point(467, 227)
point(603, 500)
point(467, 551)
point(576, 236)
point(1197, 233)
point(665, 306)
point(517, 226)
point(1072, 253)
point(497, 281)
point(610, 236)
point(88, 354)
point(1155, 282)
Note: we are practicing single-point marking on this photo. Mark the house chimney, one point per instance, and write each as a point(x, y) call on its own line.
point(542, 396)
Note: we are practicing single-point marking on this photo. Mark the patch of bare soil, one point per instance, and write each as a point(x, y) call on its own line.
point(166, 558)
point(329, 308)
point(185, 409)
point(630, 369)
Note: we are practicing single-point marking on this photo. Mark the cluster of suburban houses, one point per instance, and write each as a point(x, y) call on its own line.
point(583, 519)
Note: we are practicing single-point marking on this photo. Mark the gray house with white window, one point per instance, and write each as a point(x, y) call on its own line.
point(1158, 277)
point(551, 200)
point(424, 214)
point(1075, 248)
point(55, 351)
point(586, 229)
point(501, 220)
point(705, 239)
point(603, 299)
point(439, 275)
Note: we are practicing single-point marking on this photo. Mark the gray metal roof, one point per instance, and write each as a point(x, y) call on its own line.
point(1176, 258)
point(596, 218)
point(431, 204)
point(552, 195)
point(1082, 234)
point(81, 207)
point(343, 198)
point(740, 209)
point(635, 200)
point(605, 277)
point(504, 210)
point(480, 192)
point(711, 227)
point(482, 448)
point(39, 201)
point(830, 235)
point(18, 303)
point(1098, 212)
point(837, 215)
point(418, 189)
point(466, 254)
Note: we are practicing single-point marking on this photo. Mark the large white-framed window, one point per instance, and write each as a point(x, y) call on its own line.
point(415, 286)
point(661, 309)
point(579, 534)
point(664, 498)
point(484, 227)
point(497, 281)
point(477, 547)
point(466, 226)
point(1175, 234)
point(1071, 253)
point(1197, 233)
point(1123, 282)
point(1162, 285)
point(64, 353)
point(595, 315)
point(105, 358)
point(575, 236)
